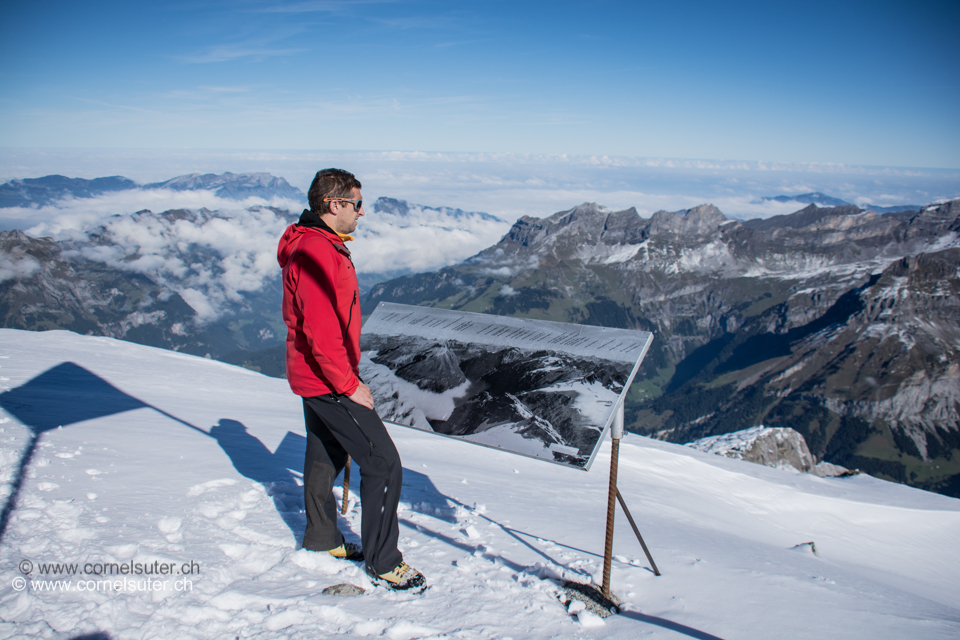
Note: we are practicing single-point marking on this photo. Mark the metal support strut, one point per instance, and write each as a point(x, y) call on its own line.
point(633, 524)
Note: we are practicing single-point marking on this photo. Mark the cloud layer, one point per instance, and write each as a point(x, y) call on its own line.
point(512, 185)
point(423, 239)
point(212, 251)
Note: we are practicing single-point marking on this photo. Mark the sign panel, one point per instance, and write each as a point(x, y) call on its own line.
point(543, 389)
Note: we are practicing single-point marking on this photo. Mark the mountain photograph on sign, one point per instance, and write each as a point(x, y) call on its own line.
point(542, 389)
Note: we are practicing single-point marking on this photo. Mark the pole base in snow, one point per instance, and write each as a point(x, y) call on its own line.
point(593, 598)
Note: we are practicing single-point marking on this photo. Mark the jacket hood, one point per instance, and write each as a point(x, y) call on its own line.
point(291, 238)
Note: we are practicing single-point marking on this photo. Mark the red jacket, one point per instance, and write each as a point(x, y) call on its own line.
point(321, 307)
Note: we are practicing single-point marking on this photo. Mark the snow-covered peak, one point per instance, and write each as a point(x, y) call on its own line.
point(233, 186)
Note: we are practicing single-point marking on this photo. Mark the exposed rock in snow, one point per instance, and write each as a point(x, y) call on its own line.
point(779, 447)
point(830, 470)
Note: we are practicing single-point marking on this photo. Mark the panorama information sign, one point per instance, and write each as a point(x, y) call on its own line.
point(547, 390)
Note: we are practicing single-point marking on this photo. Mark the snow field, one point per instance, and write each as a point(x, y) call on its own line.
point(208, 474)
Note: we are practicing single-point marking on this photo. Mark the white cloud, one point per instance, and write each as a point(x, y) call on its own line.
point(505, 272)
point(201, 303)
point(422, 240)
point(71, 214)
point(226, 52)
point(218, 249)
point(209, 258)
point(17, 267)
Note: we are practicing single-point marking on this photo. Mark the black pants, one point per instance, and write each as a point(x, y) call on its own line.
point(336, 427)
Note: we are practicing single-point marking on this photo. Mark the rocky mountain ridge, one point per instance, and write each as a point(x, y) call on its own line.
point(838, 322)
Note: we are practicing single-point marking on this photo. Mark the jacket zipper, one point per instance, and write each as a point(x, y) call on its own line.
point(352, 303)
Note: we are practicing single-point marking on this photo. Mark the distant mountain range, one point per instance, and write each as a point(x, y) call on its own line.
point(823, 200)
point(403, 209)
point(38, 192)
point(837, 322)
point(840, 323)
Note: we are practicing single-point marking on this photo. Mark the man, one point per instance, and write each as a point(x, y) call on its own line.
point(321, 307)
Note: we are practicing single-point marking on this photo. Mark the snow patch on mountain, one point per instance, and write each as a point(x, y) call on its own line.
point(608, 254)
point(710, 257)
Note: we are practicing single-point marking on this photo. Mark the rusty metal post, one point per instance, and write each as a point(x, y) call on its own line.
point(616, 434)
point(345, 500)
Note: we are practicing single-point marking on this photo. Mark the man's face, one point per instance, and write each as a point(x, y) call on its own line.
point(347, 216)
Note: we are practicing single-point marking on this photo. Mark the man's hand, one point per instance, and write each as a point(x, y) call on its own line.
point(362, 396)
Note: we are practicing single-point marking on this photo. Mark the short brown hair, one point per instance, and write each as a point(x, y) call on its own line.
point(330, 183)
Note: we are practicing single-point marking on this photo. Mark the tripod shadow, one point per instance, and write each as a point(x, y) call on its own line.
point(58, 397)
point(420, 491)
point(418, 487)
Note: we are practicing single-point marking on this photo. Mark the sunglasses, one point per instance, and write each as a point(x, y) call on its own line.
point(357, 204)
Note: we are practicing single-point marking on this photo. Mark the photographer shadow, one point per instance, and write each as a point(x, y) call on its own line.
point(274, 471)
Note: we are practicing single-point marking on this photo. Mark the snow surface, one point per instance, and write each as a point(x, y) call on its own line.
point(171, 458)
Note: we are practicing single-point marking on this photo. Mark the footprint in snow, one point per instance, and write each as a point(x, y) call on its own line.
point(170, 528)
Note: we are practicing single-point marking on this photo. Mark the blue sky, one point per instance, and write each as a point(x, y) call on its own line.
point(865, 83)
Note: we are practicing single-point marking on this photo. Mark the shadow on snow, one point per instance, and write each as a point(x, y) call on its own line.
point(67, 394)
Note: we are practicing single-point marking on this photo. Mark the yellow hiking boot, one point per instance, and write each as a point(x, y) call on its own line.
point(347, 551)
point(404, 577)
